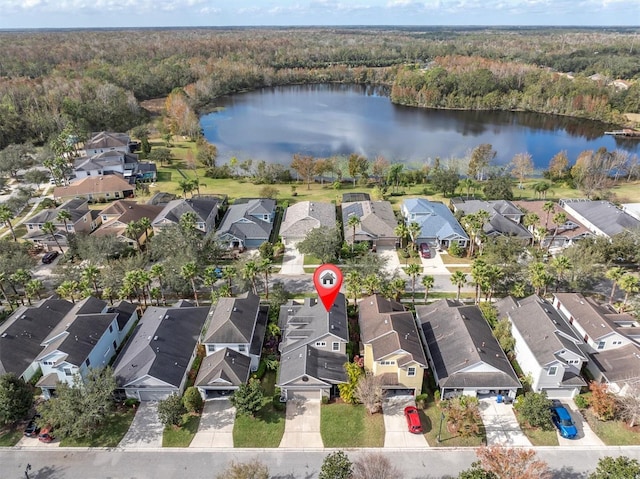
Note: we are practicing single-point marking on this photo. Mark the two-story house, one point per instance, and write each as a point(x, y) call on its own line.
point(391, 345)
point(87, 337)
point(438, 226)
point(104, 141)
point(546, 347)
point(602, 218)
point(377, 223)
point(95, 189)
point(313, 349)
point(611, 339)
point(81, 220)
point(465, 357)
point(205, 208)
point(247, 223)
point(118, 215)
point(157, 358)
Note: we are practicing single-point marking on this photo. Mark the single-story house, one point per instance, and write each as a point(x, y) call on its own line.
point(302, 217)
point(95, 189)
point(438, 226)
point(377, 223)
point(465, 357)
point(222, 372)
point(602, 218)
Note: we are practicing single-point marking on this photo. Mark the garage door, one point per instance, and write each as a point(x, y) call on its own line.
point(154, 395)
point(560, 393)
point(399, 392)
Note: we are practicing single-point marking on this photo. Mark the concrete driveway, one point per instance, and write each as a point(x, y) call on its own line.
point(292, 261)
point(216, 425)
point(146, 428)
point(395, 425)
point(501, 424)
point(393, 263)
point(586, 436)
point(302, 424)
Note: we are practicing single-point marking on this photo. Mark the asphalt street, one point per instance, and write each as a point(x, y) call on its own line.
point(565, 462)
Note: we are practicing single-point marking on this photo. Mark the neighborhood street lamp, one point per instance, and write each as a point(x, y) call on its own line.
point(440, 428)
point(26, 471)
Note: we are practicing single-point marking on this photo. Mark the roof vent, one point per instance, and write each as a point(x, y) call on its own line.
point(148, 338)
point(157, 350)
point(155, 338)
point(333, 326)
point(4, 335)
point(76, 337)
point(463, 316)
point(235, 309)
point(23, 316)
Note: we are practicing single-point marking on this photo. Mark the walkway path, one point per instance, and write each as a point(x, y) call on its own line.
point(302, 426)
point(216, 425)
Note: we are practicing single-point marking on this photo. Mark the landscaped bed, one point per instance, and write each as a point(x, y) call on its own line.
point(431, 418)
point(346, 425)
point(109, 434)
point(613, 433)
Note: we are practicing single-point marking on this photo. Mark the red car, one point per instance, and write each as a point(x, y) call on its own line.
point(413, 419)
point(46, 435)
point(425, 252)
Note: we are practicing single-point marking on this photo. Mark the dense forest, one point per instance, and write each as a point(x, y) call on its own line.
point(96, 79)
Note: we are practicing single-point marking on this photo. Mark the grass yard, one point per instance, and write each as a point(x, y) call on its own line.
point(431, 416)
point(613, 433)
point(182, 437)
point(536, 435)
point(10, 436)
point(108, 434)
point(407, 261)
point(346, 425)
point(267, 428)
point(464, 269)
point(448, 259)
point(310, 260)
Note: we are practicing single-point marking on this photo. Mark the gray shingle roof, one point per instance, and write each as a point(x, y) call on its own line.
point(241, 222)
point(618, 364)
point(322, 365)
point(224, 368)
point(377, 220)
point(605, 216)
point(459, 337)
point(233, 320)
point(302, 217)
point(204, 207)
point(107, 139)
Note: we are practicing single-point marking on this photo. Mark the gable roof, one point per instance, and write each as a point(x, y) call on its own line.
point(603, 215)
point(302, 217)
point(224, 367)
point(124, 212)
point(241, 221)
point(389, 328)
point(541, 327)
point(377, 220)
point(93, 185)
point(22, 334)
point(233, 320)
point(502, 207)
point(162, 344)
point(537, 206)
point(459, 337)
point(106, 139)
point(76, 207)
point(618, 364)
point(204, 207)
point(434, 218)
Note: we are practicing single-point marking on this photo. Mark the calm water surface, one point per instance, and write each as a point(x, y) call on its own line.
point(272, 124)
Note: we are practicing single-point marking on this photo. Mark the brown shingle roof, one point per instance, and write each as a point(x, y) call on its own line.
point(91, 185)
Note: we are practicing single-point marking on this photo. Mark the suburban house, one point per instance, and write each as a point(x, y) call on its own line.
point(567, 234)
point(104, 141)
point(465, 357)
point(247, 223)
point(504, 218)
point(82, 220)
point(158, 356)
point(546, 347)
point(602, 218)
point(205, 208)
point(24, 332)
point(438, 226)
point(313, 349)
point(632, 209)
point(391, 345)
point(302, 217)
point(118, 215)
point(611, 339)
point(377, 223)
point(222, 372)
point(96, 189)
point(87, 337)
point(238, 324)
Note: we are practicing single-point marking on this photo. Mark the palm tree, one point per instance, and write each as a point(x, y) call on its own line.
point(156, 294)
point(229, 273)
point(468, 185)
point(21, 277)
point(132, 231)
point(143, 278)
point(494, 274)
point(413, 270)
point(189, 271)
point(614, 274)
point(558, 220)
point(371, 284)
point(414, 231)
point(401, 231)
point(530, 221)
point(157, 271)
point(539, 277)
point(6, 215)
point(479, 275)
point(629, 284)
point(209, 277)
point(548, 207)
point(131, 282)
point(518, 290)
point(51, 229)
point(250, 271)
point(186, 186)
point(107, 293)
point(427, 281)
point(459, 279)
point(65, 217)
point(561, 264)
point(473, 224)
point(33, 288)
point(90, 274)
point(145, 224)
point(353, 222)
point(67, 289)
point(397, 287)
point(3, 278)
point(354, 285)
point(265, 267)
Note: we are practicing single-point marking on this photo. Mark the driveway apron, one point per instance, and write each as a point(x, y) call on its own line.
point(302, 425)
point(393, 263)
point(292, 261)
point(216, 425)
point(146, 428)
point(395, 425)
point(501, 425)
point(586, 436)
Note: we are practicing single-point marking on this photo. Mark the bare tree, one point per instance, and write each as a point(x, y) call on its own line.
point(374, 466)
point(369, 392)
point(629, 404)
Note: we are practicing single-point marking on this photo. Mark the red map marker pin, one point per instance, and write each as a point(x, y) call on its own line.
point(328, 280)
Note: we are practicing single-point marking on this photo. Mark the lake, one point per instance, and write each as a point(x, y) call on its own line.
point(273, 124)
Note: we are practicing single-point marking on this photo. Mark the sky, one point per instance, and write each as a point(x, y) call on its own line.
point(193, 13)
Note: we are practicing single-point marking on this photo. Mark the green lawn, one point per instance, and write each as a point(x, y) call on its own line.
point(346, 425)
point(613, 433)
point(267, 428)
point(108, 434)
point(310, 260)
point(464, 269)
point(407, 261)
point(431, 419)
point(10, 436)
point(182, 437)
point(536, 435)
point(448, 259)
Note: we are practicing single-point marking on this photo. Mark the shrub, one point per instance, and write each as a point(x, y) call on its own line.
point(581, 401)
point(336, 466)
point(422, 400)
point(436, 396)
point(456, 250)
point(602, 402)
point(192, 400)
point(262, 369)
point(535, 408)
point(276, 403)
point(170, 410)
point(246, 470)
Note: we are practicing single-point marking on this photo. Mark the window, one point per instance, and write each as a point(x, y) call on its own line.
point(321, 344)
point(411, 371)
point(335, 346)
point(117, 195)
point(242, 348)
point(104, 217)
point(107, 195)
point(601, 344)
point(211, 348)
point(616, 343)
point(115, 346)
point(106, 353)
point(573, 361)
point(111, 328)
point(67, 372)
point(70, 227)
point(87, 362)
point(48, 363)
point(553, 370)
point(387, 363)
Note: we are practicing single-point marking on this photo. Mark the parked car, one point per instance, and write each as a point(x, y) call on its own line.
point(32, 428)
point(49, 257)
point(46, 435)
point(413, 419)
point(425, 252)
point(562, 420)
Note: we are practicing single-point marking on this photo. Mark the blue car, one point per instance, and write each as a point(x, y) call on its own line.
point(562, 420)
